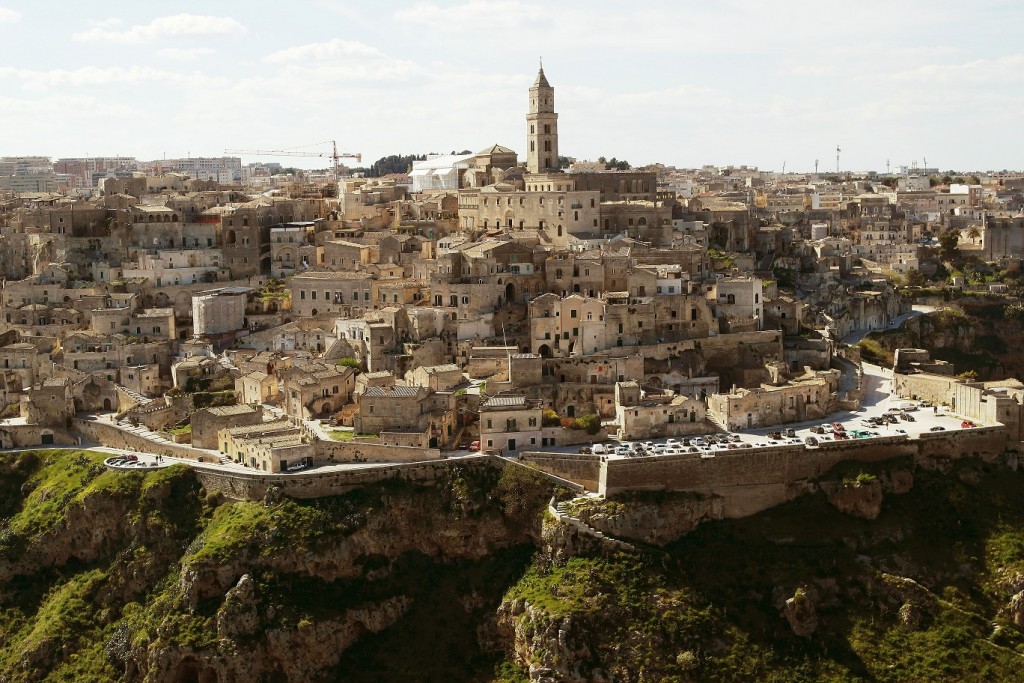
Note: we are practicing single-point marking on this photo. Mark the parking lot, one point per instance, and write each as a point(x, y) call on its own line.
point(881, 415)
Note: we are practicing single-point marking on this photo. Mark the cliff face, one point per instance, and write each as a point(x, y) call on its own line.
point(977, 336)
point(125, 576)
point(129, 577)
point(921, 583)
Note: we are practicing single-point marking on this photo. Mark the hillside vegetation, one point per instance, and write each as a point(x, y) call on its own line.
point(147, 577)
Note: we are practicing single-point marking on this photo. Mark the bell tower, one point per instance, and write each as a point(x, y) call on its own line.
point(542, 127)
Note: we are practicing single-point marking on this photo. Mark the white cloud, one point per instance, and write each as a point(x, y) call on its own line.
point(185, 54)
point(332, 49)
point(9, 16)
point(176, 26)
point(503, 15)
point(91, 76)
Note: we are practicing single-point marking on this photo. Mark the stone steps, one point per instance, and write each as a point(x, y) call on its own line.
point(561, 511)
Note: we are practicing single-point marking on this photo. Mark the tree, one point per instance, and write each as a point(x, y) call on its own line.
point(974, 234)
point(947, 244)
point(915, 278)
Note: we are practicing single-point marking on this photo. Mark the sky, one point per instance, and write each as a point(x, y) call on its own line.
point(677, 82)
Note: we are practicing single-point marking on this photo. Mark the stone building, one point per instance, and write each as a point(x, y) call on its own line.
point(219, 311)
point(323, 292)
point(510, 423)
point(808, 397)
point(208, 422)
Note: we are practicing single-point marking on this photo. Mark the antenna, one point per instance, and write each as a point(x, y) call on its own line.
point(815, 167)
point(886, 167)
point(837, 158)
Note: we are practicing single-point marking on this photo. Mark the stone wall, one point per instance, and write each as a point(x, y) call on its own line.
point(582, 469)
point(24, 436)
point(752, 480)
point(109, 435)
point(359, 451)
point(313, 484)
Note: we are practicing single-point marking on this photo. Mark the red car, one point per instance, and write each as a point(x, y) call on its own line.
point(841, 435)
point(475, 446)
point(967, 424)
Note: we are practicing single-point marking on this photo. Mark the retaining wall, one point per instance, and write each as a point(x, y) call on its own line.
point(109, 435)
point(314, 484)
point(752, 480)
point(25, 436)
point(585, 470)
point(359, 451)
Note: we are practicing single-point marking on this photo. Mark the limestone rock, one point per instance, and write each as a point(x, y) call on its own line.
point(801, 614)
point(860, 499)
point(238, 616)
point(657, 524)
point(1015, 609)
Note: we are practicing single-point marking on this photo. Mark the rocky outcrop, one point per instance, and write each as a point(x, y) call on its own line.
point(858, 498)
point(799, 611)
point(550, 647)
point(403, 524)
point(245, 652)
point(657, 523)
point(1015, 609)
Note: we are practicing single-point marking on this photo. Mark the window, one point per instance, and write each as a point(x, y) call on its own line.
point(533, 422)
point(488, 426)
point(572, 313)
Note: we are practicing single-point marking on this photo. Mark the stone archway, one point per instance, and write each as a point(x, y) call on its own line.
point(107, 405)
point(544, 351)
point(510, 293)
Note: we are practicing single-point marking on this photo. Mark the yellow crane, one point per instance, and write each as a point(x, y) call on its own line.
point(334, 154)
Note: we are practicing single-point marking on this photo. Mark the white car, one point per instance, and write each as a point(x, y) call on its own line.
point(671, 442)
point(598, 449)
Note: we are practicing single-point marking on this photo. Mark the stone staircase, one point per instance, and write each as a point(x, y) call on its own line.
point(561, 512)
point(715, 420)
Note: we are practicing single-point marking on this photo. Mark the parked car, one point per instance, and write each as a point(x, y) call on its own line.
point(838, 427)
point(790, 432)
point(818, 429)
point(775, 435)
point(671, 442)
point(599, 449)
point(967, 424)
point(475, 446)
point(745, 445)
point(811, 441)
point(907, 417)
point(586, 450)
point(937, 428)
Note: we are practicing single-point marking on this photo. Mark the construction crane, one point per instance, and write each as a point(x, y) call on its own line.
point(296, 152)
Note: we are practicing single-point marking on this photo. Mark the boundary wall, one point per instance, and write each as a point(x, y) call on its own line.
point(109, 435)
point(316, 484)
point(357, 450)
point(753, 480)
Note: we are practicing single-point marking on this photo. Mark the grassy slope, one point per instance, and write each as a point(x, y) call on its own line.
point(57, 623)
